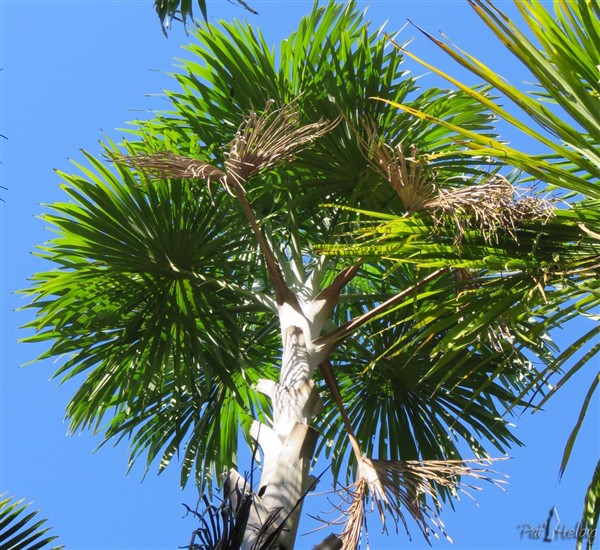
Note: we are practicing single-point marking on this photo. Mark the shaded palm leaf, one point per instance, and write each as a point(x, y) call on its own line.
point(20, 529)
point(406, 409)
point(479, 323)
point(181, 10)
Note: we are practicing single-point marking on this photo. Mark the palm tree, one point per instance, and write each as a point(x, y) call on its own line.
point(190, 296)
point(556, 260)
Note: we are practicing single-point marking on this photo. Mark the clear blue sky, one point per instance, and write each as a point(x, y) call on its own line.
point(73, 69)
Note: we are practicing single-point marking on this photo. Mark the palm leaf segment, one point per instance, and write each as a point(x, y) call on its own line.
point(161, 298)
point(181, 10)
point(19, 528)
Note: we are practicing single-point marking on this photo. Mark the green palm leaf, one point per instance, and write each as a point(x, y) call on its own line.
point(591, 511)
point(20, 529)
point(181, 10)
point(566, 67)
point(160, 301)
point(148, 309)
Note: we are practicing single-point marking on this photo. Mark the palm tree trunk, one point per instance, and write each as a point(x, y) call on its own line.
point(289, 444)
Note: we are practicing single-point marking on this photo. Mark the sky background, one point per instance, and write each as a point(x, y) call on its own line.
point(75, 69)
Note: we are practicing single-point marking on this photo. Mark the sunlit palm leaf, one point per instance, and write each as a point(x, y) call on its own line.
point(591, 512)
point(566, 67)
point(152, 301)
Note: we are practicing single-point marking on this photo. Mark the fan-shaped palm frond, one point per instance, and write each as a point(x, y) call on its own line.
point(393, 367)
point(155, 304)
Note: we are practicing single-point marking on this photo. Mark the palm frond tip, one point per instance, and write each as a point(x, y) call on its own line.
point(21, 527)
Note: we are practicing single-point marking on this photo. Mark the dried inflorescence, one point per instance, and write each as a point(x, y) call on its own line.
point(261, 141)
point(168, 165)
point(270, 138)
point(491, 206)
point(397, 487)
point(406, 174)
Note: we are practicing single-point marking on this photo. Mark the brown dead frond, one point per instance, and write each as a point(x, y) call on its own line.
point(397, 487)
point(269, 138)
point(491, 206)
point(406, 174)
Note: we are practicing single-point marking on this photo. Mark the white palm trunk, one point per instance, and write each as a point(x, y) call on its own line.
point(288, 444)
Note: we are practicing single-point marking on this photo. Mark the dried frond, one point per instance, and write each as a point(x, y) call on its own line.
point(491, 205)
point(168, 165)
point(399, 486)
point(269, 138)
point(406, 174)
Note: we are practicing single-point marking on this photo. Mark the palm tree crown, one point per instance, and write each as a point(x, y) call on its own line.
point(191, 271)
